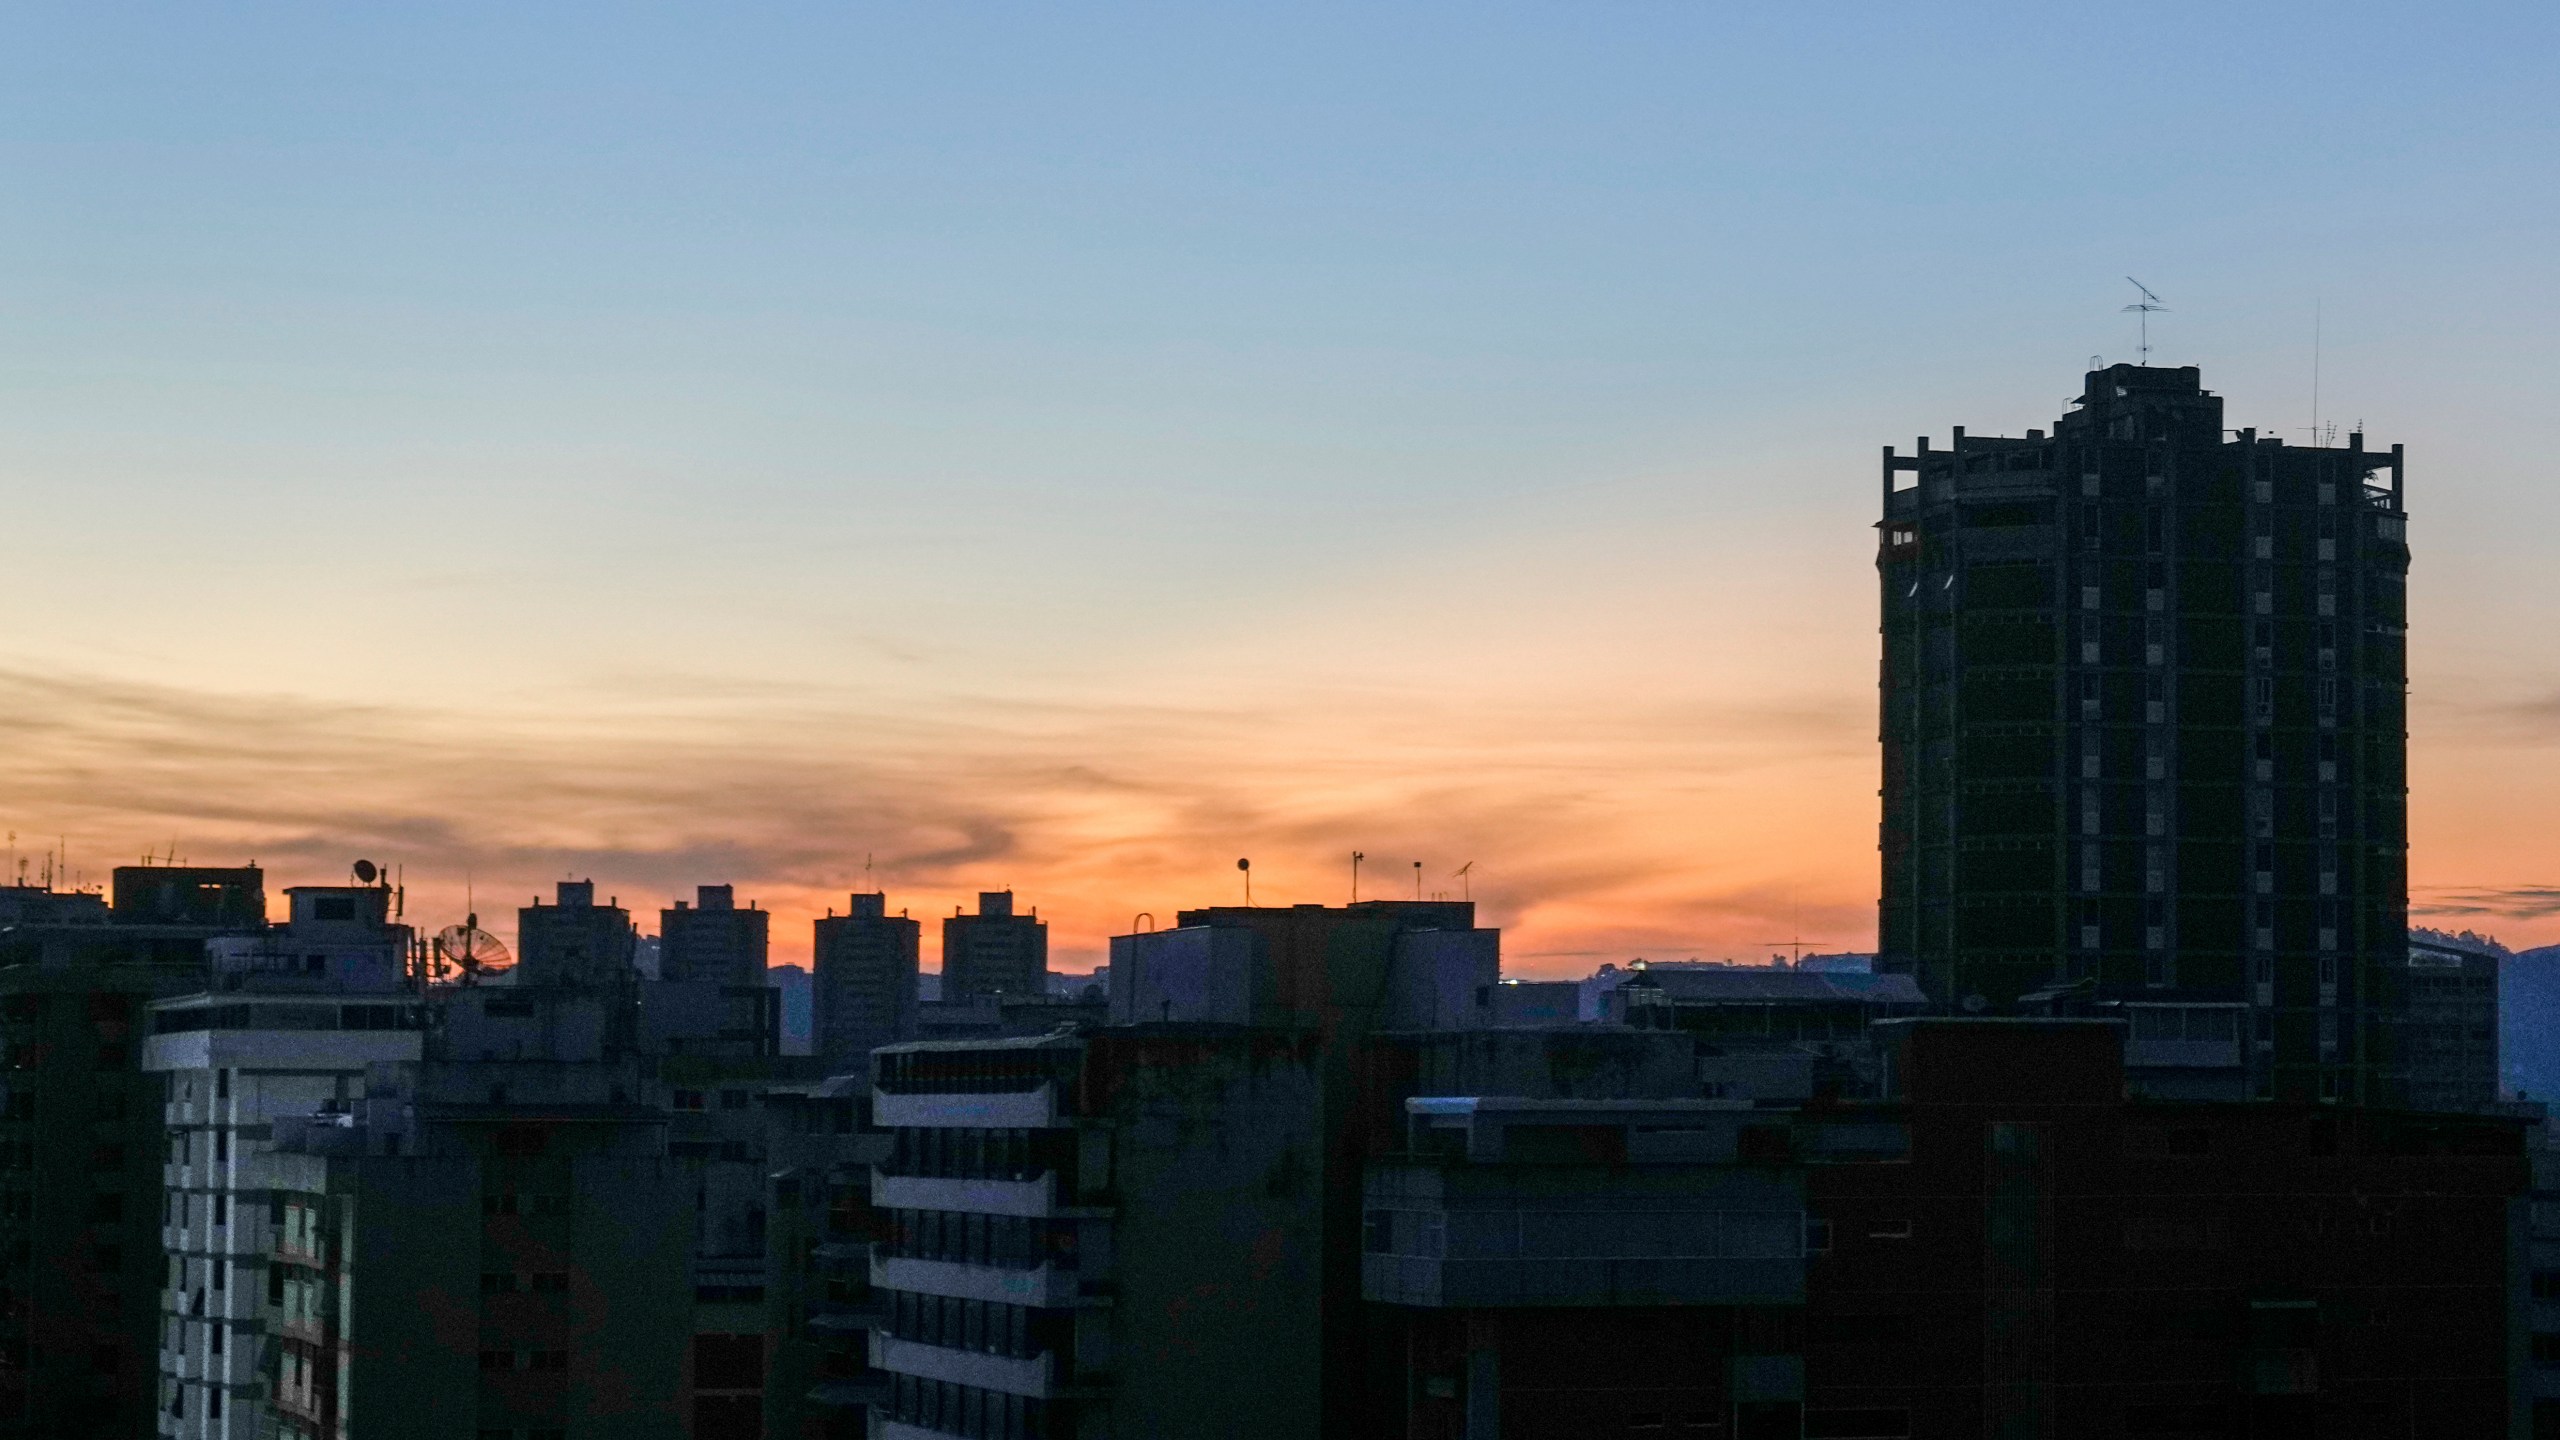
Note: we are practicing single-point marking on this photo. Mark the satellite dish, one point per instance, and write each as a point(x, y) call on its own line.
point(366, 872)
point(1976, 1004)
point(472, 950)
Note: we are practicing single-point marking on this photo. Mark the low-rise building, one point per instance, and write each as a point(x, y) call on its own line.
point(2004, 1244)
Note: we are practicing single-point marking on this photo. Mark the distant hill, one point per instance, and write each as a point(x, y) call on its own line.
point(2529, 1023)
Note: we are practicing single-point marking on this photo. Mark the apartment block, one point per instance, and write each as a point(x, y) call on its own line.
point(2143, 710)
point(293, 1020)
point(994, 953)
point(863, 976)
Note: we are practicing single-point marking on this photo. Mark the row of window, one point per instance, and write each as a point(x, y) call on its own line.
point(511, 1282)
point(981, 1154)
point(988, 1326)
point(510, 1360)
point(977, 1414)
point(103, 1008)
point(1010, 1242)
point(518, 1202)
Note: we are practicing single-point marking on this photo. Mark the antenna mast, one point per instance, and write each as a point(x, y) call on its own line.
point(2144, 306)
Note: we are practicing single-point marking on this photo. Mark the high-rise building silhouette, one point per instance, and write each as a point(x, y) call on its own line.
point(994, 952)
point(2143, 713)
point(575, 941)
point(712, 939)
point(863, 975)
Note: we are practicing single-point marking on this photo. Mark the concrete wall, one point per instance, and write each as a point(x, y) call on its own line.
point(1443, 979)
point(1218, 1187)
point(1212, 974)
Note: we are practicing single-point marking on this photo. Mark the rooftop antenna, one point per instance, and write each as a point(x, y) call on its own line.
point(2315, 370)
point(2144, 306)
point(1417, 879)
point(1247, 867)
point(1464, 876)
point(1356, 858)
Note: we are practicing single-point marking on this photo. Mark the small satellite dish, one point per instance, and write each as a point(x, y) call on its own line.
point(1244, 864)
point(1975, 1004)
point(366, 872)
point(473, 951)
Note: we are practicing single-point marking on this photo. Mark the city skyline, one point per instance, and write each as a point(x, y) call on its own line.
point(518, 450)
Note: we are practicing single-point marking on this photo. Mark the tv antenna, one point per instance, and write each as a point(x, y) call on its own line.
point(1247, 867)
point(1464, 875)
point(2144, 307)
point(1356, 858)
point(1796, 946)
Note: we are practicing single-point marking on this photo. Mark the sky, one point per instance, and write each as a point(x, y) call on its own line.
point(1071, 448)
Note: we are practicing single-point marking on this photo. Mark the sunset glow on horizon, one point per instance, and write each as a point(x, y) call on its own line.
point(1070, 452)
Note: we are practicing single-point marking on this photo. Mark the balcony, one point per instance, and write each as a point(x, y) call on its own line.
point(1047, 1286)
point(1035, 1198)
point(1032, 1109)
point(1032, 1377)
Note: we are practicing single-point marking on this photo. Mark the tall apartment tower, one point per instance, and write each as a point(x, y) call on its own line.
point(712, 939)
point(864, 979)
point(2143, 710)
point(994, 952)
point(574, 940)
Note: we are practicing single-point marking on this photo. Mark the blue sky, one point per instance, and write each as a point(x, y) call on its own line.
point(1068, 446)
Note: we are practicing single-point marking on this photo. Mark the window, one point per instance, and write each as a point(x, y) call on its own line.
point(497, 1359)
point(1877, 1423)
point(733, 1099)
point(2546, 1284)
point(551, 1360)
point(728, 1362)
point(686, 1100)
point(1889, 1230)
point(498, 1282)
point(2546, 1348)
point(551, 1282)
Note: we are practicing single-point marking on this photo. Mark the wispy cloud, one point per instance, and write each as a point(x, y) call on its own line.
point(1592, 826)
point(2516, 902)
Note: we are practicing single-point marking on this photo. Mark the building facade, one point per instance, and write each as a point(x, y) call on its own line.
point(994, 953)
point(294, 1019)
point(863, 972)
point(2143, 713)
point(712, 940)
point(2004, 1245)
point(2451, 1035)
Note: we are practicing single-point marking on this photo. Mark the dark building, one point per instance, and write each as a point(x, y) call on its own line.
point(712, 939)
point(497, 1249)
point(223, 898)
point(1197, 1166)
point(575, 941)
point(2450, 1036)
point(863, 971)
point(994, 952)
point(2143, 716)
point(2005, 1246)
point(820, 1308)
point(81, 1138)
